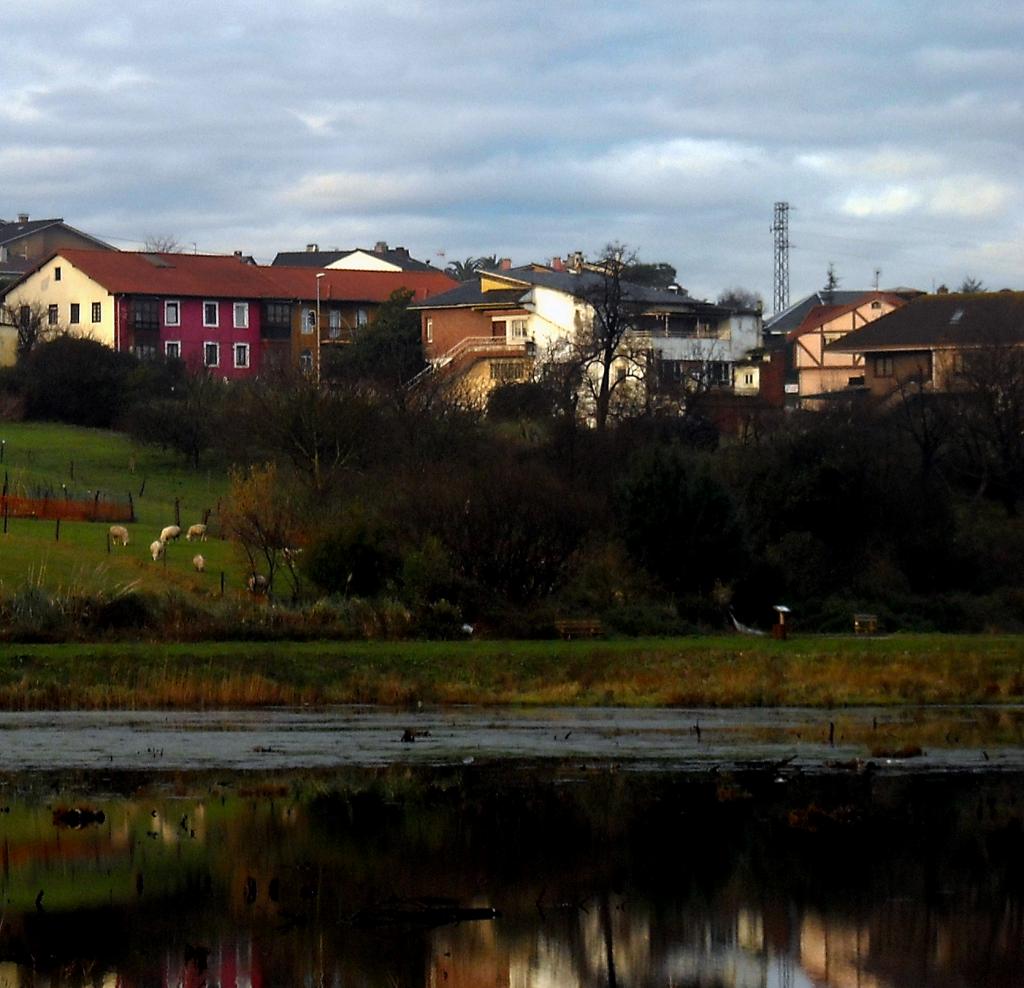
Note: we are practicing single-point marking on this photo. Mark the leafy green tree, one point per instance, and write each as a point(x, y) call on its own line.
point(468, 269)
point(79, 381)
point(658, 274)
point(386, 354)
point(189, 420)
point(679, 522)
point(357, 557)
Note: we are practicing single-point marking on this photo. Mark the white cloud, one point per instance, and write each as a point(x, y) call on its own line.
point(891, 201)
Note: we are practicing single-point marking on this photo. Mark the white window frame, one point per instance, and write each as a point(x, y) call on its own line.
point(308, 319)
point(517, 329)
point(216, 315)
point(430, 329)
point(362, 317)
point(240, 309)
point(216, 346)
point(169, 305)
point(306, 361)
point(167, 349)
point(235, 348)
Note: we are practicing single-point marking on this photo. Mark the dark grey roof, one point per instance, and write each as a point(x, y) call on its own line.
point(322, 258)
point(938, 321)
point(11, 230)
point(583, 285)
point(789, 319)
point(468, 293)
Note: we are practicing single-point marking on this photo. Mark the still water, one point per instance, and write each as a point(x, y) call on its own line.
point(526, 850)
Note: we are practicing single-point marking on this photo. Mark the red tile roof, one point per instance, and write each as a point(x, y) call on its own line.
point(219, 276)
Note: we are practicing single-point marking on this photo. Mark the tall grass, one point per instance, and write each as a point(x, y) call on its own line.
point(716, 672)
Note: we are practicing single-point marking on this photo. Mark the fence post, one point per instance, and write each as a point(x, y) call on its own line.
point(96, 506)
point(57, 538)
point(72, 467)
point(222, 583)
point(6, 508)
point(177, 512)
point(108, 542)
point(131, 505)
point(142, 489)
point(3, 449)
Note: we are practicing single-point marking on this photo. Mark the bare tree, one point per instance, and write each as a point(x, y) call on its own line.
point(162, 243)
point(608, 359)
point(744, 299)
point(36, 323)
point(970, 286)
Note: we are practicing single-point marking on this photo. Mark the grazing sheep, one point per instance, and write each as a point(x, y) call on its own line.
point(199, 563)
point(118, 535)
point(156, 549)
point(257, 583)
point(196, 532)
point(170, 534)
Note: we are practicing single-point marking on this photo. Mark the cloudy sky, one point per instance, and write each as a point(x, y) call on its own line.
point(526, 128)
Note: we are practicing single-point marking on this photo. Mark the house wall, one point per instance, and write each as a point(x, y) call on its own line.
point(904, 366)
point(820, 370)
point(192, 335)
point(43, 288)
point(362, 261)
point(450, 326)
point(37, 245)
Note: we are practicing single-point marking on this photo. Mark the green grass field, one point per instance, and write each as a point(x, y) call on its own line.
point(725, 671)
point(45, 454)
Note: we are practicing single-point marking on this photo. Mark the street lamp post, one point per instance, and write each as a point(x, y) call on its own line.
point(318, 277)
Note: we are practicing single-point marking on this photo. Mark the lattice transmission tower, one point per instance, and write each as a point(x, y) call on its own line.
point(780, 227)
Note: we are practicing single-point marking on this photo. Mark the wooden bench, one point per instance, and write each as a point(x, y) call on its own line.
point(570, 628)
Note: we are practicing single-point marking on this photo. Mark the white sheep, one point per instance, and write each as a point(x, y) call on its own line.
point(170, 534)
point(118, 535)
point(257, 583)
point(156, 549)
point(197, 532)
point(199, 563)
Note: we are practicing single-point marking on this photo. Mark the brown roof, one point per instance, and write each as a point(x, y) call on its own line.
point(942, 321)
point(220, 276)
point(822, 314)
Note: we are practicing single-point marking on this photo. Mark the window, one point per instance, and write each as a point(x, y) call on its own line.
point(334, 319)
point(145, 351)
point(210, 317)
point(519, 328)
point(748, 378)
point(430, 330)
point(97, 312)
point(883, 367)
point(241, 354)
point(145, 314)
point(876, 304)
point(172, 313)
point(51, 315)
point(306, 362)
point(308, 320)
point(76, 314)
point(241, 314)
point(211, 354)
point(362, 317)
point(56, 273)
point(25, 317)
point(172, 349)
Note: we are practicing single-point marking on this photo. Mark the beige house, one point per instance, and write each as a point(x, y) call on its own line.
point(938, 342)
point(822, 370)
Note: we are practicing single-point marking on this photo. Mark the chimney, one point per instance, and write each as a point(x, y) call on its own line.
point(575, 263)
point(557, 264)
point(238, 254)
point(505, 264)
point(22, 217)
point(312, 248)
point(380, 247)
point(401, 251)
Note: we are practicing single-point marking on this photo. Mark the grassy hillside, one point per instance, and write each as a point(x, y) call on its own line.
point(39, 454)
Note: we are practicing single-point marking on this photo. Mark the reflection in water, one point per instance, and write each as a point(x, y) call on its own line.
point(388, 877)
